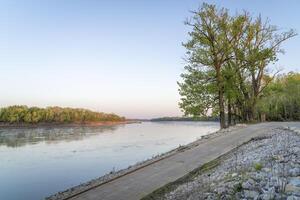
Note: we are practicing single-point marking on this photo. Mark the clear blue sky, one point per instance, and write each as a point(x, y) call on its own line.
point(109, 55)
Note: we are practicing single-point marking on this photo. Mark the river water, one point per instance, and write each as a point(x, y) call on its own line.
point(37, 162)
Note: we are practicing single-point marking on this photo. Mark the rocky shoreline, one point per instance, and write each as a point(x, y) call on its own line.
point(265, 168)
point(116, 174)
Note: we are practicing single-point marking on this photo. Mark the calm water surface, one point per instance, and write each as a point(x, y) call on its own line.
point(36, 163)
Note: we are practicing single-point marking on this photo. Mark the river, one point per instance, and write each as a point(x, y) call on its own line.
point(37, 162)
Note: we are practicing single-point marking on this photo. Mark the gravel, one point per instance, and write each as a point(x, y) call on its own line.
point(265, 168)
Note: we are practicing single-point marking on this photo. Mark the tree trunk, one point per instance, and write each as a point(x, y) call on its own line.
point(234, 115)
point(221, 99)
point(252, 114)
point(229, 113)
point(222, 110)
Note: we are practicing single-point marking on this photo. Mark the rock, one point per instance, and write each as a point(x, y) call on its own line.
point(238, 195)
point(266, 169)
point(251, 194)
point(293, 185)
point(274, 179)
point(258, 176)
point(221, 190)
point(295, 181)
point(248, 185)
point(210, 196)
point(205, 136)
point(294, 171)
point(292, 197)
point(269, 195)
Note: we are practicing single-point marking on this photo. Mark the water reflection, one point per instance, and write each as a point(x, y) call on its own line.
point(37, 162)
point(17, 137)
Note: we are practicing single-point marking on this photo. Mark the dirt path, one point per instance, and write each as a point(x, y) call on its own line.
point(143, 181)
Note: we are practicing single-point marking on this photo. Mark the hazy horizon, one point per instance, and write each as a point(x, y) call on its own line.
point(110, 56)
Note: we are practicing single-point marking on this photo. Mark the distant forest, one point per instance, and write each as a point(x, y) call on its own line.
point(205, 118)
point(24, 114)
point(281, 99)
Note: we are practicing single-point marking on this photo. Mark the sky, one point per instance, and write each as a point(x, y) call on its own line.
point(120, 56)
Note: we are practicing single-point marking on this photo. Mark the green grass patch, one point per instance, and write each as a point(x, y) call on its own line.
point(258, 166)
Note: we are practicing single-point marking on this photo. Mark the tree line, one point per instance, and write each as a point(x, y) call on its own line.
point(24, 114)
point(229, 59)
point(281, 100)
point(203, 118)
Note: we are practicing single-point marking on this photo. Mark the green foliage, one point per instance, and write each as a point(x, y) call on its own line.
point(198, 93)
point(227, 63)
point(281, 100)
point(258, 166)
point(185, 119)
point(24, 114)
point(238, 188)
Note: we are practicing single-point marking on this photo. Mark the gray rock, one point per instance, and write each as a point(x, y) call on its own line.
point(221, 190)
point(238, 195)
point(265, 169)
point(295, 181)
point(292, 197)
point(251, 194)
point(205, 136)
point(293, 185)
point(269, 195)
point(211, 197)
point(259, 176)
point(249, 184)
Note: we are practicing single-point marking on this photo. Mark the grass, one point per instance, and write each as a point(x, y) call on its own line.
point(258, 166)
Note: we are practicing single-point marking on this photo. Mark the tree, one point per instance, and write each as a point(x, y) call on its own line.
point(208, 48)
point(227, 63)
point(23, 114)
point(255, 52)
point(198, 91)
point(281, 100)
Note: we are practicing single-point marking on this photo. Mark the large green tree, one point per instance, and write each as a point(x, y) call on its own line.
point(228, 59)
point(255, 53)
point(208, 49)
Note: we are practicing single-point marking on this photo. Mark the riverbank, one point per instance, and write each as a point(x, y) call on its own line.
point(113, 175)
point(143, 181)
point(267, 167)
point(54, 125)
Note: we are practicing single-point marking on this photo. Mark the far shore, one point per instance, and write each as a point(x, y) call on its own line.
point(73, 124)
